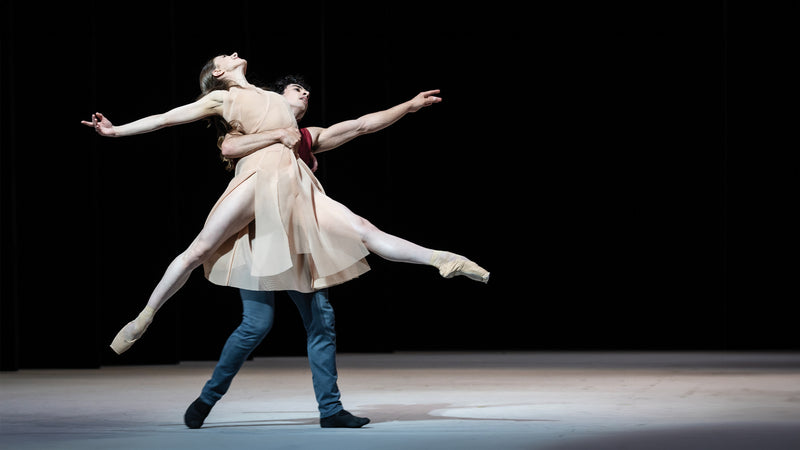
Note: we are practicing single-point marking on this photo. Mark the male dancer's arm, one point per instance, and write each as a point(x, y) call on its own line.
point(238, 145)
point(324, 139)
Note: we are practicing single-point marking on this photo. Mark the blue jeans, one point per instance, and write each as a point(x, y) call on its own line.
point(258, 314)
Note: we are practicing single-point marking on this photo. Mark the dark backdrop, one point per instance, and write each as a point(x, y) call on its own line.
point(583, 154)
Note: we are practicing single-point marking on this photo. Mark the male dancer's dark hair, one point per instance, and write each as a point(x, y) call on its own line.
point(280, 84)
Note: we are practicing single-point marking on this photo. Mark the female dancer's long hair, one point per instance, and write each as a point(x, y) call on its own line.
point(208, 83)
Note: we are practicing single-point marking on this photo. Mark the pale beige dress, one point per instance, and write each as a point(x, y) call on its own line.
point(300, 239)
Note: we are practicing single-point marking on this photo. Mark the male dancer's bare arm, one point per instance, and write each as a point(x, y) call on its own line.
point(325, 139)
point(240, 145)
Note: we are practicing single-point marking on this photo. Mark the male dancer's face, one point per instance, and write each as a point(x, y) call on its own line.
point(297, 96)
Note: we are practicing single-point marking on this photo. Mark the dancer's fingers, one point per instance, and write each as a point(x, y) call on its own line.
point(430, 98)
point(92, 123)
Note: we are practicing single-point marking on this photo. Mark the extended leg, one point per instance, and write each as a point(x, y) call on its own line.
point(258, 313)
point(397, 249)
point(233, 214)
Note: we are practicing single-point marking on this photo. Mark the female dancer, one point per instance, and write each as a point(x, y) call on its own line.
point(273, 228)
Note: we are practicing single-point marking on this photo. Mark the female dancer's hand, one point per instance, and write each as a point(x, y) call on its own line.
point(424, 99)
point(101, 125)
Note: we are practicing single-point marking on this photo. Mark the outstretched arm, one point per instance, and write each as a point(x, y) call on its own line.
point(237, 146)
point(329, 138)
point(206, 106)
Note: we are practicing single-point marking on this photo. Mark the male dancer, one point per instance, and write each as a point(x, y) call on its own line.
point(314, 308)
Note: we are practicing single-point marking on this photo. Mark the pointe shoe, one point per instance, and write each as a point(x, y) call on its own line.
point(131, 332)
point(450, 265)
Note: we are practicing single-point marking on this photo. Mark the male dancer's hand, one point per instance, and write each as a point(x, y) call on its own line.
point(290, 137)
point(424, 99)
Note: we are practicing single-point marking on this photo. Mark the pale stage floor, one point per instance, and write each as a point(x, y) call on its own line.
point(539, 400)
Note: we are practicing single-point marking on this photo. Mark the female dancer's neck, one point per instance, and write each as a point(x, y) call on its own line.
point(240, 80)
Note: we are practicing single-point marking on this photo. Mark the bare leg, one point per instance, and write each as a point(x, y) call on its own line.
point(233, 214)
point(397, 249)
point(392, 247)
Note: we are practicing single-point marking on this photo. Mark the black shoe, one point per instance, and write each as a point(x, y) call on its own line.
point(343, 419)
point(196, 413)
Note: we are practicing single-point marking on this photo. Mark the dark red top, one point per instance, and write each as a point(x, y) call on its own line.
point(304, 150)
